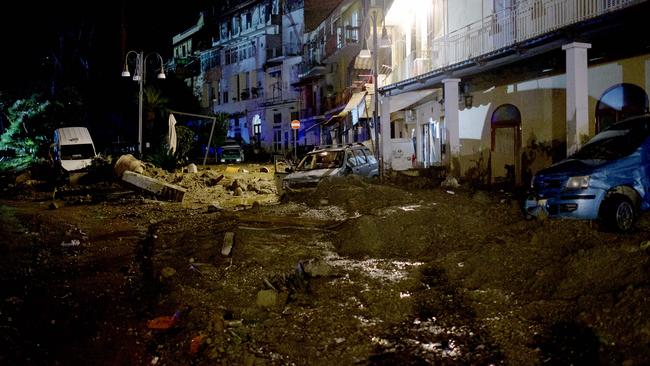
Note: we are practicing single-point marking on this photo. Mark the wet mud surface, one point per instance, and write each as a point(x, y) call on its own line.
point(352, 273)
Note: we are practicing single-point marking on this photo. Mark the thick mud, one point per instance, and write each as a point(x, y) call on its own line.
point(350, 273)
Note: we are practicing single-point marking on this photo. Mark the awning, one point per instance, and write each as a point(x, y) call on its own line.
point(363, 63)
point(401, 101)
point(337, 118)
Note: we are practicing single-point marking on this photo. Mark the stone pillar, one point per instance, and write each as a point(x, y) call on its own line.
point(385, 145)
point(452, 125)
point(577, 95)
point(418, 137)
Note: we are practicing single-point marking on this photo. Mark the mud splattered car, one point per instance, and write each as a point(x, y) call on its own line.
point(607, 179)
point(332, 161)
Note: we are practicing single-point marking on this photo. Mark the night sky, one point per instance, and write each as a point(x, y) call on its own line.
point(91, 30)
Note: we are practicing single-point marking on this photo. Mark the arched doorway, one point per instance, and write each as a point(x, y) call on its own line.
point(619, 102)
point(506, 145)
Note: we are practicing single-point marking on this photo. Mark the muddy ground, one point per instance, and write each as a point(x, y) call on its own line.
point(351, 273)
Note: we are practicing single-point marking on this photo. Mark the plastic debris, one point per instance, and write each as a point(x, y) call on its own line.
point(164, 322)
point(71, 243)
point(195, 344)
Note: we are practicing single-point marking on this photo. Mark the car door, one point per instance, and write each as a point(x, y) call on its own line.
point(351, 162)
point(362, 162)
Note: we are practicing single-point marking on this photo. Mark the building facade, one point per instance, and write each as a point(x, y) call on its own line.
point(498, 89)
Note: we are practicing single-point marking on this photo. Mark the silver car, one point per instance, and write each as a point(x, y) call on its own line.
point(333, 161)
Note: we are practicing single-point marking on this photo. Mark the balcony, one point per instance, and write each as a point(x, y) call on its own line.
point(523, 22)
point(346, 43)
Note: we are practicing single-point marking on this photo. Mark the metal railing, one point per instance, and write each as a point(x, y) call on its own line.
point(526, 20)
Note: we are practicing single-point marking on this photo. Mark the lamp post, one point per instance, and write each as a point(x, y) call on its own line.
point(139, 75)
point(385, 43)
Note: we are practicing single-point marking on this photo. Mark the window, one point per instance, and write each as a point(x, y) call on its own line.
point(294, 115)
point(361, 157)
point(350, 158)
point(277, 118)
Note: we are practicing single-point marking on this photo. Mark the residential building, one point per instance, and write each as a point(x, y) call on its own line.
point(498, 89)
point(336, 81)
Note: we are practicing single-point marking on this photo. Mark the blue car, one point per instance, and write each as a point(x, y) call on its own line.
point(607, 179)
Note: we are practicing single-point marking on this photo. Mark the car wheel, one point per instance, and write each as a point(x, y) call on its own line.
point(619, 213)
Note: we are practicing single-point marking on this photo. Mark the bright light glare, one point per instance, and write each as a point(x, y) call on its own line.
point(402, 14)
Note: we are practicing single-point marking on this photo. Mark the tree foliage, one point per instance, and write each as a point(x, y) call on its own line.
point(20, 144)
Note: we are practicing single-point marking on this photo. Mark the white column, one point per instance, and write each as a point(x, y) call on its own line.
point(386, 147)
point(451, 118)
point(577, 95)
point(418, 136)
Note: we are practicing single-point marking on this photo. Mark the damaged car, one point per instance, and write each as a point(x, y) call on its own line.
point(608, 179)
point(331, 161)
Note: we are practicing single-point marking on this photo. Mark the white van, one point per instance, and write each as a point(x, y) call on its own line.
point(73, 148)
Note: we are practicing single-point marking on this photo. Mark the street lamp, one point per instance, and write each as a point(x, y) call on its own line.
point(139, 75)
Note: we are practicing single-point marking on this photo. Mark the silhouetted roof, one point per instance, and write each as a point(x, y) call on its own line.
point(316, 11)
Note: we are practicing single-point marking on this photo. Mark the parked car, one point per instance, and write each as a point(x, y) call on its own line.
point(607, 179)
point(331, 161)
point(231, 154)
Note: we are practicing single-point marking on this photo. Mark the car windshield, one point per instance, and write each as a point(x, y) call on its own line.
point(231, 152)
point(613, 143)
point(77, 152)
point(322, 160)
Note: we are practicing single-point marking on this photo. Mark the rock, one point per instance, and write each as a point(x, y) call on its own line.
point(242, 170)
point(238, 191)
point(264, 169)
point(264, 191)
point(266, 298)
point(22, 178)
point(317, 268)
point(128, 163)
point(450, 182)
point(214, 207)
point(191, 168)
point(167, 272)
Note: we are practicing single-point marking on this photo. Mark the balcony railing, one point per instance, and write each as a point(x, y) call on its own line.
point(528, 19)
point(348, 36)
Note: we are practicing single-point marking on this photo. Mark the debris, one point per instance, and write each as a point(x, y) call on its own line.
point(71, 243)
point(167, 272)
point(157, 187)
point(55, 205)
point(233, 323)
point(264, 169)
point(266, 298)
point(317, 268)
point(214, 207)
point(128, 163)
point(195, 344)
point(194, 268)
point(232, 169)
point(451, 192)
point(155, 360)
point(269, 284)
point(191, 168)
point(242, 170)
point(450, 182)
point(645, 245)
point(164, 322)
point(228, 241)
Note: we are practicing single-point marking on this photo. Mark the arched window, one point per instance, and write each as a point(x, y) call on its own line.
point(506, 115)
point(619, 102)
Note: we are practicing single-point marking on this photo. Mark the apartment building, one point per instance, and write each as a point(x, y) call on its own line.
point(336, 81)
point(506, 87)
point(247, 67)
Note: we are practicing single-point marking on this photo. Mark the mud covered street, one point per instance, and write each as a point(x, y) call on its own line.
point(351, 273)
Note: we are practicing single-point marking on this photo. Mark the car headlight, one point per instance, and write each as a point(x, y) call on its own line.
point(578, 182)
